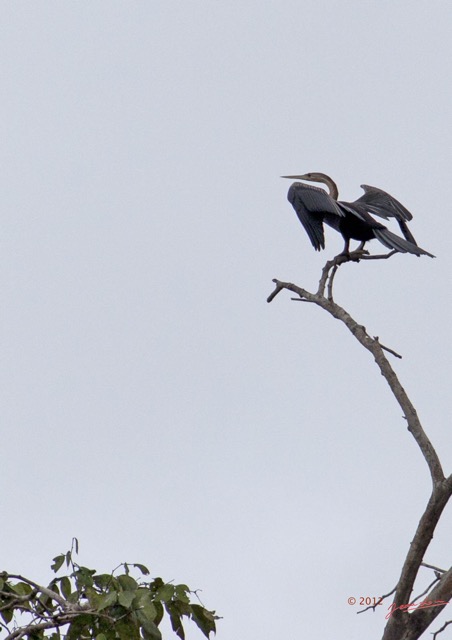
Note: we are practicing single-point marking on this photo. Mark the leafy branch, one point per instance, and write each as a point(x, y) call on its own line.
point(84, 604)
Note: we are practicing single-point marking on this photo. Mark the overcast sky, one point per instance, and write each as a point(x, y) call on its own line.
point(153, 404)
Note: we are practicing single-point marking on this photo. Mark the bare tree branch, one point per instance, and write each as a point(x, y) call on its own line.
point(331, 267)
point(446, 624)
point(380, 256)
point(45, 590)
point(402, 625)
point(57, 620)
point(394, 353)
point(374, 346)
point(426, 590)
point(431, 566)
point(20, 632)
point(374, 606)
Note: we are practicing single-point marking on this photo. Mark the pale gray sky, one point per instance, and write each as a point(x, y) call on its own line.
point(153, 404)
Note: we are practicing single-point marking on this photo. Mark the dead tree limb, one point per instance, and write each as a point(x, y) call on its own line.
point(402, 624)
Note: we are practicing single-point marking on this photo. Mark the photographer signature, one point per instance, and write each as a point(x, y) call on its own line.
point(425, 604)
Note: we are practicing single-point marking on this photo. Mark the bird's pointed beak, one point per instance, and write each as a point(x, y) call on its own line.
point(293, 177)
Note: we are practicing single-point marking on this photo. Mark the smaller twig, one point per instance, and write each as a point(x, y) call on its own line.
point(57, 620)
point(430, 566)
point(323, 278)
point(15, 603)
point(330, 282)
point(353, 256)
point(446, 624)
point(374, 606)
point(341, 258)
point(394, 353)
point(336, 262)
point(279, 287)
point(426, 590)
point(5, 627)
point(14, 598)
point(380, 256)
point(20, 632)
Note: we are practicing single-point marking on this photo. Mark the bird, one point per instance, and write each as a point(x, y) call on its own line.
point(314, 206)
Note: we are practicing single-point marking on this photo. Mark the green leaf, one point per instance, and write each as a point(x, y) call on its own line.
point(159, 608)
point(204, 619)
point(165, 593)
point(156, 584)
point(150, 631)
point(181, 592)
point(74, 597)
point(7, 615)
point(142, 596)
point(183, 608)
point(147, 612)
point(101, 636)
point(176, 621)
point(125, 598)
point(126, 630)
point(144, 570)
point(77, 627)
point(94, 598)
point(104, 580)
point(65, 584)
point(127, 582)
point(84, 577)
point(143, 602)
point(21, 588)
point(107, 600)
point(57, 563)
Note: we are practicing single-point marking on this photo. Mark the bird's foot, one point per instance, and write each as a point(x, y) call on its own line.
point(358, 254)
point(350, 256)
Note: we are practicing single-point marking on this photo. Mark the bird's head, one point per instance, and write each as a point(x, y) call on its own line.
point(314, 176)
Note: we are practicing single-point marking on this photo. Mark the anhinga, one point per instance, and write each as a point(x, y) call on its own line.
point(314, 206)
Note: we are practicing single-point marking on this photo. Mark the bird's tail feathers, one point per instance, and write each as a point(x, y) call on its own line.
point(392, 241)
point(406, 232)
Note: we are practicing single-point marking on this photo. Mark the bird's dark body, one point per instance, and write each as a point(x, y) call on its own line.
point(352, 228)
point(353, 220)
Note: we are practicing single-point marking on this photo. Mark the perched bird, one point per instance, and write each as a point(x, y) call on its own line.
point(314, 206)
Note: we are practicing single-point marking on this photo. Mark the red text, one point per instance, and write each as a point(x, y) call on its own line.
point(425, 604)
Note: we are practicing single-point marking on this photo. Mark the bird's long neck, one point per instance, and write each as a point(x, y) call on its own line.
point(332, 186)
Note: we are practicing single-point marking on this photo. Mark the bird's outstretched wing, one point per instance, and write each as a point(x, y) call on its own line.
point(383, 204)
point(386, 237)
point(312, 205)
point(386, 206)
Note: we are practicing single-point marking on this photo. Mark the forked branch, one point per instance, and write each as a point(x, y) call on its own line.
point(402, 625)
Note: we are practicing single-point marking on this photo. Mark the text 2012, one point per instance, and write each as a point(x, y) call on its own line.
point(366, 600)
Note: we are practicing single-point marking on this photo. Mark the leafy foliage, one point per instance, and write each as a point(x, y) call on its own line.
point(86, 605)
